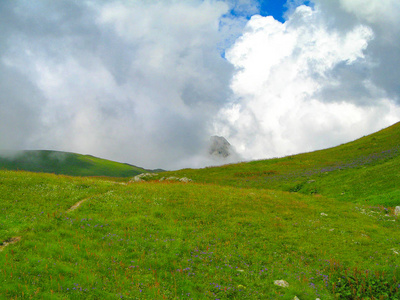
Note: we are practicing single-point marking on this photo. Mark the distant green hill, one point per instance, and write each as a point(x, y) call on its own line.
point(66, 163)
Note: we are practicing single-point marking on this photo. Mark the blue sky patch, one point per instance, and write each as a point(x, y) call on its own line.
point(276, 8)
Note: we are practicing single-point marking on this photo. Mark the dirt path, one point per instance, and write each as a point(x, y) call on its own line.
point(10, 241)
point(16, 239)
point(76, 205)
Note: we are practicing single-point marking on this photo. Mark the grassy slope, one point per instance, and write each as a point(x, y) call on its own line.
point(67, 163)
point(164, 240)
point(367, 169)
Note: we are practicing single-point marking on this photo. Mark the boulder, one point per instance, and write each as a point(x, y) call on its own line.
point(281, 283)
point(397, 211)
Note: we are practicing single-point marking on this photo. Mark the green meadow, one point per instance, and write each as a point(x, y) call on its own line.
point(323, 222)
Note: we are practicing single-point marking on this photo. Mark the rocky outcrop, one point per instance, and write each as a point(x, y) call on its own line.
point(219, 147)
point(142, 177)
point(173, 178)
point(220, 150)
point(147, 176)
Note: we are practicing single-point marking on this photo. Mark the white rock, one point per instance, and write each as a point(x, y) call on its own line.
point(281, 283)
point(185, 179)
point(136, 179)
point(397, 211)
point(324, 214)
point(139, 178)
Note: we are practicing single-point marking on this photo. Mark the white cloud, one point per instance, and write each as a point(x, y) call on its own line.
point(282, 71)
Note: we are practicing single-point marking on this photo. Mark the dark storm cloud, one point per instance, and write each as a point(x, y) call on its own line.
point(19, 109)
point(382, 68)
point(131, 81)
point(350, 85)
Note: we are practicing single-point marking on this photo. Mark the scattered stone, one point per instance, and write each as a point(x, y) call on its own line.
point(173, 178)
point(185, 180)
point(332, 229)
point(296, 298)
point(281, 283)
point(324, 214)
point(397, 211)
point(145, 176)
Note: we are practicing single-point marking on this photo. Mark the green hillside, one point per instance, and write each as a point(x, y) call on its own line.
point(66, 163)
point(323, 222)
point(367, 169)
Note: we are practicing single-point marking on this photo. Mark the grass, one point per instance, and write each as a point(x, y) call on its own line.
point(28, 199)
point(321, 221)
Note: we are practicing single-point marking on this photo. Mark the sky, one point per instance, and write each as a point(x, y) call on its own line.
point(149, 82)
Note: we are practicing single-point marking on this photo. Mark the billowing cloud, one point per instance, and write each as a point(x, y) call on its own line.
point(383, 17)
point(303, 85)
point(148, 82)
point(132, 81)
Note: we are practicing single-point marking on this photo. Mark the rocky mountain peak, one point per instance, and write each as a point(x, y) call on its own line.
point(220, 147)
